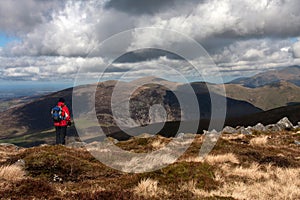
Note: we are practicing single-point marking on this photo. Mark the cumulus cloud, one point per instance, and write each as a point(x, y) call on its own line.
point(296, 49)
point(242, 36)
point(19, 17)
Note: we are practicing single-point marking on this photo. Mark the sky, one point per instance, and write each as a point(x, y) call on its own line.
point(58, 41)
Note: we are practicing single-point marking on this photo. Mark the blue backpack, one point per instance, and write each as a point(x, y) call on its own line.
point(56, 113)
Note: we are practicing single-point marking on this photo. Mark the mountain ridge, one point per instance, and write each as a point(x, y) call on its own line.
point(288, 74)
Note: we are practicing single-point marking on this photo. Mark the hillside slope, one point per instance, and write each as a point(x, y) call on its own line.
point(35, 116)
point(261, 166)
point(266, 97)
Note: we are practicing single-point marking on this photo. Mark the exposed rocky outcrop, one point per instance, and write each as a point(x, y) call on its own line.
point(281, 125)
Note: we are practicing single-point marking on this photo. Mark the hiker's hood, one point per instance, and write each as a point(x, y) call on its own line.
point(61, 104)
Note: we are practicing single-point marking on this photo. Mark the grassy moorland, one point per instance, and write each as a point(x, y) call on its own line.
point(257, 166)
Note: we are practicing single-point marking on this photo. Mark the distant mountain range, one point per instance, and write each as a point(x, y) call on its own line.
point(288, 74)
point(265, 98)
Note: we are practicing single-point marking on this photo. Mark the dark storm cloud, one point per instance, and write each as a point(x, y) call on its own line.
point(19, 17)
point(148, 6)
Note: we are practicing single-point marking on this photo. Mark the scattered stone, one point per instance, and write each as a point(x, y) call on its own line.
point(111, 140)
point(180, 135)
point(77, 145)
point(285, 124)
point(56, 178)
point(20, 163)
point(229, 129)
point(296, 127)
point(243, 130)
point(259, 127)
point(297, 142)
point(273, 127)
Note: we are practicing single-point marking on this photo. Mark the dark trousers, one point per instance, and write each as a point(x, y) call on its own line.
point(61, 132)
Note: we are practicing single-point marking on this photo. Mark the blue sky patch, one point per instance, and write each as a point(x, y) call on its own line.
point(5, 39)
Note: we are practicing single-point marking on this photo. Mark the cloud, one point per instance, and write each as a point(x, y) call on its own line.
point(147, 7)
point(296, 49)
point(18, 17)
point(58, 37)
point(74, 30)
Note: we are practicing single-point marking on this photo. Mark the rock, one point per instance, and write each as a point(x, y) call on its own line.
point(111, 140)
point(20, 163)
point(259, 127)
point(297, 142)
point(180, 135)
point(285, 124)
point(56, 178)
point(296, 127)
point(249, 130)
point(246, 131)
point(229, 129)
point(273, 127)
point(77, 145)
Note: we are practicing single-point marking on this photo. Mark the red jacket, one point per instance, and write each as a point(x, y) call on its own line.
point(65, 113)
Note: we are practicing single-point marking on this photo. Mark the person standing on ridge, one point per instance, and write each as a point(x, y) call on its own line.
point(61, 117)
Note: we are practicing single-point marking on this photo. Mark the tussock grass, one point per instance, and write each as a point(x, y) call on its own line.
point(147, 163)
point(261, 183)
point(214, 159)
point(234, 170)
point(148, 188)
point(11, 173)
point(253, 172)
point(259, 141)
point(157, 144)
point(197, 159)
point(225, 158)
point(233, 136)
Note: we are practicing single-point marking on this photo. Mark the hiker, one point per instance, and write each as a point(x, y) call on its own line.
point(62, 119)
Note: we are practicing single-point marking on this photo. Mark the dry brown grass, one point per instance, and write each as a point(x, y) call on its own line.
point(197, 159)
point(253, 172)
point(233, 136)
point(157, 144)
point(11, 173)
point(277, 183)
point(139, 164)
point(214, 159)
point(259, 141)
point(225, 158)
point(7, 151)
point(147, 188)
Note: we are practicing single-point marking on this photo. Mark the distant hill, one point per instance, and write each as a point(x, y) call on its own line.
point(267, 97)
point(35, 116)
point(289, 74)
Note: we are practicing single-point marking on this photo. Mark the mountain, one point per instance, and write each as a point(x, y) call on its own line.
point(288, 74)
point(267, 97)
point(267, 117)
point(34, 117)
